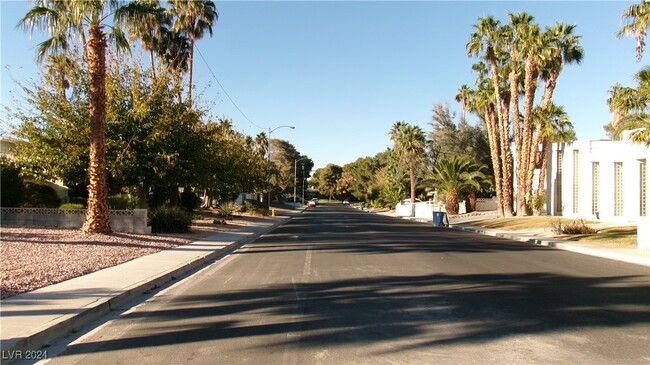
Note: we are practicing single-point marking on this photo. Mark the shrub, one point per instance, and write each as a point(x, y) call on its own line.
point(122, 202)
point(12, 189)
point(575, 227)
point(68, 206)
point(189, 199)
point(170, 220)
point(537, 201)
point(227, 209)
point(40, 195)
point(78, 200)
point(254, 207)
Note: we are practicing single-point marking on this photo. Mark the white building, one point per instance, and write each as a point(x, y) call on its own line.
point(598, 180)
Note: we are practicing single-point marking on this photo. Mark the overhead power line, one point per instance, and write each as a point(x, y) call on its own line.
point(224, 90)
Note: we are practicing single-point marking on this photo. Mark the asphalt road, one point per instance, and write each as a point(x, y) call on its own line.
point(339, 286)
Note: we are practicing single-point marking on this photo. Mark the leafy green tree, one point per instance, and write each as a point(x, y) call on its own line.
point(56, 126)
point(363, 182)
point(448, 138)
point(344, 185)
point(325, 179)
point(409, 144)
point(12, 187)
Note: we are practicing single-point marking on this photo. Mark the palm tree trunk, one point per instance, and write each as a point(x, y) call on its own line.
point(506, 161)
point(412, 180)
point(153, 66)
point(505, 197)
point(547, 96)
point(190, 61)
point(177, 84)
point(516, 121)
point(490, 123)
point(544, 162)
point(470, 204)
point(526, 162)
point(451, 203)
point(97, 214)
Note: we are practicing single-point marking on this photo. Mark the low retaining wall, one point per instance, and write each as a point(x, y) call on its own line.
point(132, 221)
point(486, 204)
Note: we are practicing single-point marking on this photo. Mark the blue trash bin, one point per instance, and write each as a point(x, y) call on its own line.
point(439, 219)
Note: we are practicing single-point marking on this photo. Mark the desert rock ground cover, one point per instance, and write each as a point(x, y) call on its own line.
point(36, 257)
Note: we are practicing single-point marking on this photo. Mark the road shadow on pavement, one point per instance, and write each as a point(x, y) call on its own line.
point(433, 310)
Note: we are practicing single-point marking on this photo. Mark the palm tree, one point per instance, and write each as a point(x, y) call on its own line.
point(532, 44)
point(175, 53)
point(409, 143)
point(481, 103)
point(146, 21)
point(631, 108)
point(193, 18)
point(61, 64)
point(454, 175)
point(489, 38)
point(463, 98)
point(636, 19)
point(564, 49)
point(639, 125)
point(64, 20)
point(517, 30)
point(554, 126)
point(623, 101)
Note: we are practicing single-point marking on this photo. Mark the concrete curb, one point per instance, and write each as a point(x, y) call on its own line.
point(74, 322)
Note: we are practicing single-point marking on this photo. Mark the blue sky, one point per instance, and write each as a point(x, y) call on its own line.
point(343, 72)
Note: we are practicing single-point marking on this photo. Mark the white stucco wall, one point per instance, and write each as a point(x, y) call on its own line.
point(606, 153)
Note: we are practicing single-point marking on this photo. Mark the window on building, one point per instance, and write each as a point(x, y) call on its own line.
point(643, 196)
point(618, 188)
point(595, 187)
point(576, 187)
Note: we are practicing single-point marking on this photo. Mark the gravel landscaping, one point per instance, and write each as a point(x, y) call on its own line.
point(36, 257)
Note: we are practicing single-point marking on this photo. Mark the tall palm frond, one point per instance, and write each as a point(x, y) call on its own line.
point(635, 21)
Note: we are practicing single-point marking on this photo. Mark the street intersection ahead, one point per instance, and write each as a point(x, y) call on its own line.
point(339, 286)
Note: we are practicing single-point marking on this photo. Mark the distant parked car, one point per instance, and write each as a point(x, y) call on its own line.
point(346, 202)
point(311, 203)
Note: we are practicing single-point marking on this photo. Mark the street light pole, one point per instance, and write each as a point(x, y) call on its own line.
point(268, 161)
point(302, 182)
point(295, 179)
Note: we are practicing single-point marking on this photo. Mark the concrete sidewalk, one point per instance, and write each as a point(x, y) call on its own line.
point(32, 320)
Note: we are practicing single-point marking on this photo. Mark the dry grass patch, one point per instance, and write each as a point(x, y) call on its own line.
point(520, 223)
point(619, 237)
